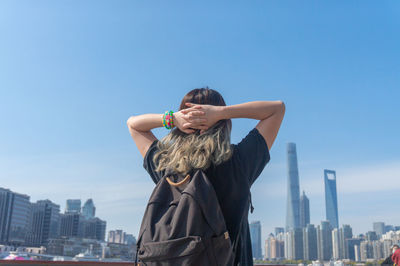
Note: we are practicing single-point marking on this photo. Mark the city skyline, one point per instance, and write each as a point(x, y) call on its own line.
point(71, 75)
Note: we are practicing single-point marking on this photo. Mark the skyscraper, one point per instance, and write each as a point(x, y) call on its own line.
point(15, 211)
point(298, 251)
point(304, 210)
point(255, 234)
point(325, 241)
point(293, 189)
point(331, 198)
point(346, 232)
point(310, 242)
point(336, 244)
point(73, 206)
point(45, 222)
point(379, 228)
point(88, 209)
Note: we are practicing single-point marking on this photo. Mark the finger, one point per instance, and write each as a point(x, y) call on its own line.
point(195, 117)
point(188, 131)
point(193, 110)
point(197, 113)
point(198, 121)
point(201, 127)
point(194, 105)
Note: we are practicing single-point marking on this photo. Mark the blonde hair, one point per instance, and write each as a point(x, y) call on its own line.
point(181, 152)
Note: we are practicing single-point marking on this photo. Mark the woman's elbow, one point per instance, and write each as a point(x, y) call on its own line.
point(281, 108)
point(131, 122)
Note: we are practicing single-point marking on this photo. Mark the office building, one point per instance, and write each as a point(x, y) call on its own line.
point(44, 224)
point(293, 189)
point(331, 198)
point(325, 234)
point(304, 210)
point(88, 209)
point(73, 206)
point(371, 236)
point(379, 228)
point(346, 232)
point(255, 234)
point(310, 242)
point(15, 213)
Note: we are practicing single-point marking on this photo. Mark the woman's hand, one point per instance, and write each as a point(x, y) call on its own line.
point(211, 114)
point(188, 120)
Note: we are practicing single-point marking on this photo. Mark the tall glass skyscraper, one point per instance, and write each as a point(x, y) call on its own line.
point(331, 198)
point(293, 189)
point(255, 235)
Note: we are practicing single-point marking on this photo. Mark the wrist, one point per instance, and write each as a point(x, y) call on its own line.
point(168, 120)
point(223, 112)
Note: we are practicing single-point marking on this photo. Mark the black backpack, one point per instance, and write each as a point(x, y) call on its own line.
point(183, 225)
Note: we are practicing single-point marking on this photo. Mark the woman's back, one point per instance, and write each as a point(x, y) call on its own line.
point(231, 181)
point(232, 169)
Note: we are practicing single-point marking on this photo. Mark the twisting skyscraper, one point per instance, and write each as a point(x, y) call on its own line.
point(293, 189)
point(331, 198)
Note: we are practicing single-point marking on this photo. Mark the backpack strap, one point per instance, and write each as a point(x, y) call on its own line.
point(177, 184)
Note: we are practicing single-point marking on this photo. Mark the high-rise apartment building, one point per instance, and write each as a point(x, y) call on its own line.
point(255, 234)
point(366, 250)
point(351, 244)
point(293, 189)
point(331, 198)
point(304, 210)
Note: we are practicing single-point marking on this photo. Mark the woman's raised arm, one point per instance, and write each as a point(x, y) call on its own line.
point(270, 114)
point(140, 126)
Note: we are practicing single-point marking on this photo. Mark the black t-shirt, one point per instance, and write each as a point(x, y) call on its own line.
point(231, 180)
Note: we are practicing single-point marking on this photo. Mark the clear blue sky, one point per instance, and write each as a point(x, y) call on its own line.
point(72, 72)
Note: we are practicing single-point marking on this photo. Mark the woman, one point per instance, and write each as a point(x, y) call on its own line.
point(201, 140)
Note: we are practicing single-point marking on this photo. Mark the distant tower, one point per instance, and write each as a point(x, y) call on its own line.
point(73, 206)
point(310, 242)
point(304, 210)
point(88, 209)
point(331, 198)
point(326, 240)
point(293, 189)
point(278, 230)
point(255, 234)
point(379, 228)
